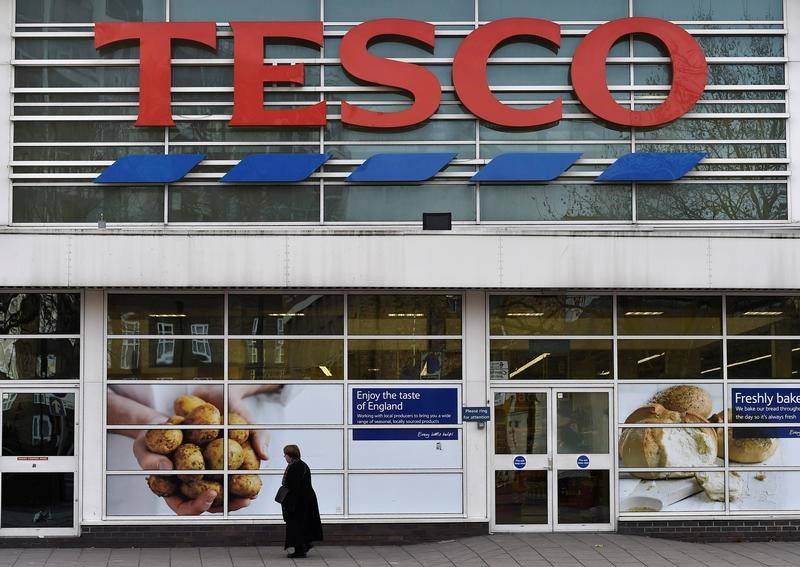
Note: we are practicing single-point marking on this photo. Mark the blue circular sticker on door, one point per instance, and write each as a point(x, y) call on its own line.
point(520, 462)
point(583, 461)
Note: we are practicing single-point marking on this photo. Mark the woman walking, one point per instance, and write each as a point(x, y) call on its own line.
point(299, 506)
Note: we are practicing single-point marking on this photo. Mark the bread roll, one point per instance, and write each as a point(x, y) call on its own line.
point(684, 398)
point(745, 450)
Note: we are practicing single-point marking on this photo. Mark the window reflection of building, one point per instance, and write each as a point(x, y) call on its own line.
point(129, 357)
point(201, 347)
point(165, 350)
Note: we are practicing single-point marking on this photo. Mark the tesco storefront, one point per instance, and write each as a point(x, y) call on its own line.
point(494, 265)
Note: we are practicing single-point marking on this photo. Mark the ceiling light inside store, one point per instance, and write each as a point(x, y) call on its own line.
point(525, 314)
point(406, 314)
point(286, 314)
point(604, 373)
point(325, 371)
point(530, 363)
point(749, 360)
point(763, 313)
point(644, 313)
point(710, 370)
point(163, 315)
point(648, 358)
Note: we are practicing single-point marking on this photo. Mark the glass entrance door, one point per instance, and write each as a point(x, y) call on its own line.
point(552, 459)
point(38, 465)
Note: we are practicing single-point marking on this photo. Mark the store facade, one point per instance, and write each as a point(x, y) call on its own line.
point(603, 339)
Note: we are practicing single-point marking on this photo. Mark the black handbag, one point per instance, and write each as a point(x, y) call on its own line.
point(280, 496)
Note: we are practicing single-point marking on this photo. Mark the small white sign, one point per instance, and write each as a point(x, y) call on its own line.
point(498, 370)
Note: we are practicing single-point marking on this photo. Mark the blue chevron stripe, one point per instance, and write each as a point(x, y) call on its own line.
point(655, 166)
point(275, 168)
point(396, 168)
point(525, 167)
point(147, 168)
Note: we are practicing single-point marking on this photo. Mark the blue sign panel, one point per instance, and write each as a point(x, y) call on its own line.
point(520, 462)
point(766, 405)
point(766, 432)
point(399, 406)
point(583, 461)
point(404, 434)
point(475, 414)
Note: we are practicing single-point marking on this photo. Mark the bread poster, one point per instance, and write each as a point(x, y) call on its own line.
point(673, 448)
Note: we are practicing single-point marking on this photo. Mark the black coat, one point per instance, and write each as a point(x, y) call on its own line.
point(300, 508)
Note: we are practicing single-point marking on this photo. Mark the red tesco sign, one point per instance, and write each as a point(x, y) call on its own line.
point(689, 70)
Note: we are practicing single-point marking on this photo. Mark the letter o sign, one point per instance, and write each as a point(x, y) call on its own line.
point(689, 71)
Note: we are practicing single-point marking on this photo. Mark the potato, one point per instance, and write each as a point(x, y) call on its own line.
point(205, 414)
point(245, 485)
point(184, 405)
point(250, 461)
point(163, 441)
point(188, 457)
point(214, 454)
point(162, 485)
point(239, 435)
point(195, 488)
point(175, 420)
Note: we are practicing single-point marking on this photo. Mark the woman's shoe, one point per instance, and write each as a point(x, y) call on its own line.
point(295, 554)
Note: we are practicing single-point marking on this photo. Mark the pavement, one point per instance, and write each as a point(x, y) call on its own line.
point(500, 550)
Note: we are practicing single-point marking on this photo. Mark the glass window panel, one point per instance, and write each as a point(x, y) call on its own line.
point(37, 500)
point(94, 110)
point(768, 491)
point(239, 152)
point(87, 204)
point(58, 11)
point(678, 448)
point(75, 77)
point(566, 129)
point(718, 129)
point(328, 487)
point(589, 151)
point(550, 315)
point(398, 202)
point(291, 404)
point(762, 446)
point(764, 151)
point(139, 404)
point(550, 359)
point(545, 10)
point(404, 315)
point(678, 493)
point(733, 74)
point(85, 131)
point(532, 47)
point(670, 359)
point(718, 46)
point(520, 497)
point(562, 202)
point(282, 359)
point(38, 424)
point(40, 359)
point(710, 9)
point(243, 10)
point(219, 131)
point(129, 495)
point(440, 130)
point(70, 48)
point(390, 47)
point(165, 359)
point(763, 315)
point(151, 314)
point(244, 204)
point(703, 401)
point(295, 314)
point(364, 151)
point(583, 419)
point(401, 359)
point(39, 313)
point(712, 201)
point(584, 497)
point(778, 359)
point(676, 315)
point(442, 10)
point(520, 423)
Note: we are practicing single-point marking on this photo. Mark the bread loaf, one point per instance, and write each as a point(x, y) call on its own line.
point(745, 449)
point(684, 398)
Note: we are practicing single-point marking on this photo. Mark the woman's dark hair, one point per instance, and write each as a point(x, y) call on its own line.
point(292, 451)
